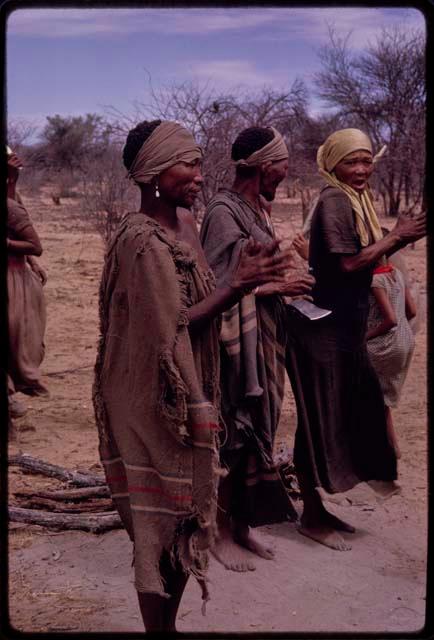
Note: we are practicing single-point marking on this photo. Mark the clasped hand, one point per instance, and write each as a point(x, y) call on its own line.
point(262, 264)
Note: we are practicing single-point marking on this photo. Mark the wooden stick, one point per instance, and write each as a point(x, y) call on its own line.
point(74, 495)
point(73, 370)
point(33, 465)
point(93, 523)
point(90, 506)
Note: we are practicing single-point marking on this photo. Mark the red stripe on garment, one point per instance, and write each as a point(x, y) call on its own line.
point(170, 496)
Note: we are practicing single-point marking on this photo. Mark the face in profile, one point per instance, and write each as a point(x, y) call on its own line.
point(271, 176)
point(355, 169)
point(181, 183)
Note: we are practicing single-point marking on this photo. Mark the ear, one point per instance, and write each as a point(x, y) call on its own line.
point(264, 166)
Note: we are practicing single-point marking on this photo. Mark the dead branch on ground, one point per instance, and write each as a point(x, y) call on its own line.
point(64, 521)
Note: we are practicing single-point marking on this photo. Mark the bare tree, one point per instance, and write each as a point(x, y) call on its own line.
point(215, 119)
point(106, 192)
point(20, 133)
point(383, 91)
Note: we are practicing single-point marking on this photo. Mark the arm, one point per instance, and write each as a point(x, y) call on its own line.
point(301, 245)
point(257, 264)
point(387, 311)
point(296, 285)
point(213, 305)
point(406, 230)
point(14, 166)
point(27, 244)
point(410, 305)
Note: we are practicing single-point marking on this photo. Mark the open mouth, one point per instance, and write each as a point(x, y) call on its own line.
point(360, 182)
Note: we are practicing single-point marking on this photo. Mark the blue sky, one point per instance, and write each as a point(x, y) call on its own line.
point(76, 61)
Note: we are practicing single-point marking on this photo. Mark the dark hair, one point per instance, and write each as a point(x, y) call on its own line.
point(135, 139)
point(250, 140)
point(246, 143)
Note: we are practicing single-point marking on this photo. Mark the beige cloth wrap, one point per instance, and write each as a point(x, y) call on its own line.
point(273, 151)
point(337, 146)
point(168, 144)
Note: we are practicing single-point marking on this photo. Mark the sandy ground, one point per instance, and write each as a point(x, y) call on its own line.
point(76, 581)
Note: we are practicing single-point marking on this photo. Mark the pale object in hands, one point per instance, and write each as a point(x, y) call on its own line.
point(308, 309)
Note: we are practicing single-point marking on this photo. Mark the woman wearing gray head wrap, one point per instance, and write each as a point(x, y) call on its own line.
point(156, 392)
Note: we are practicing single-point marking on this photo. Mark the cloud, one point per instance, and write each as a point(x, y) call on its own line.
point(232, 73)
point(363, 24)
point(262, 23)
point(61, 23)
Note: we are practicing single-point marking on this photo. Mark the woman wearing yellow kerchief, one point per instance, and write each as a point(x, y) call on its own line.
point(341, 438)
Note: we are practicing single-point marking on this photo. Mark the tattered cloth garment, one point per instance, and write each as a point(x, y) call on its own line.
point(253, 343)
point(156, 400)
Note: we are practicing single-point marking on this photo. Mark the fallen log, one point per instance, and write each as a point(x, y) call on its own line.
point(73, 495)
point(90, 506)
point(34, 465)
point(64, 521)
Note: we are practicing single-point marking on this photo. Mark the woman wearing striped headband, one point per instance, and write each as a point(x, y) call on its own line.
point(253, 342)
point(341, 438)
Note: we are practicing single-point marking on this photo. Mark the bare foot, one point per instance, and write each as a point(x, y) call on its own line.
point(243, 535)
point(325, 535)
point(231, 555)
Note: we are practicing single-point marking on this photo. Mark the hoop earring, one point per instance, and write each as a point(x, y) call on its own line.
point(157, 193)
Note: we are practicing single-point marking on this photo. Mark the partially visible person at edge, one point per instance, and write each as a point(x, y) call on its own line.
point(341, 438)
point(156, 389)
point(252, 351)
point(390, 337)
point(26, 303)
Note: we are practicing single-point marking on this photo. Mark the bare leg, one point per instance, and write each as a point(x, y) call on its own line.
point(225, 549)
point(391, 434)
point(152, 608)
point(242, 534)
point(317, 523)
point(158, 613)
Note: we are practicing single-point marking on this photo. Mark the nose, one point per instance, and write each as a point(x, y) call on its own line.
point(198, 178)
point(361, 169)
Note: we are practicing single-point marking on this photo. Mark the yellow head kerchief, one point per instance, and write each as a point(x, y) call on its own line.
point(338, 145)
point(273, 151)
point(168, 144)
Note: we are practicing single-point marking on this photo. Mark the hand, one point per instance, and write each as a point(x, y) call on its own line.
point(14, 166)
point(260, 263)
point(301, 245)
point(410, 229)
point(296, 286)
point(38, 270)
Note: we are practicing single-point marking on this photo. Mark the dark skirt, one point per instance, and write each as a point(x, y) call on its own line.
point(341, 436)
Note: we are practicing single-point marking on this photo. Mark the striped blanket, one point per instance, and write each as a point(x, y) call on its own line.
point(253, 342)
